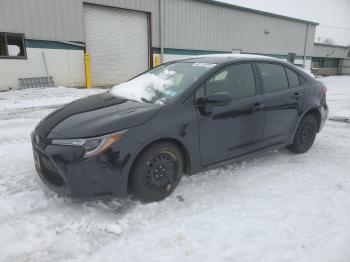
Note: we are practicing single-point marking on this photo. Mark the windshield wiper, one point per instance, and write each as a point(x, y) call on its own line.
point(146, 100)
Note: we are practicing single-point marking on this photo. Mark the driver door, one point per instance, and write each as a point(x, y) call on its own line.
point(236, 128)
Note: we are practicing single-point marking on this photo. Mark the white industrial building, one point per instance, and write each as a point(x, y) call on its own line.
point(41, 38)
point(330, 59)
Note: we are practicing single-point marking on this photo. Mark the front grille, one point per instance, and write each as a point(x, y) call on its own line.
point(50, 172)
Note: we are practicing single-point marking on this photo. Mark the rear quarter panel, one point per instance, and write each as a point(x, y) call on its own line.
point(312, 100)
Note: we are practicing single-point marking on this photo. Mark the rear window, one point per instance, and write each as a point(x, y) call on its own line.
point(273, 77)
point(293, 78)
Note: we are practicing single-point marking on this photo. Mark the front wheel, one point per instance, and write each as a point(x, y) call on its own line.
point(156, 172)
point(305, 135)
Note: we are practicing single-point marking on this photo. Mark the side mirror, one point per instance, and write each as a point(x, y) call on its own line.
point(219, 99)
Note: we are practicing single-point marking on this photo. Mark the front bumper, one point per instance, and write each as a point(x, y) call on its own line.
point(65, 171)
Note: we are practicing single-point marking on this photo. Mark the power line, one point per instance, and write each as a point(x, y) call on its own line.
point(336, 27)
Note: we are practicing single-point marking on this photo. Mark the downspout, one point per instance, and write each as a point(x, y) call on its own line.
point(305, 45)
point(161, 33)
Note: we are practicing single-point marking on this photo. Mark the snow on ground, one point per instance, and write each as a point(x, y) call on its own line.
point(279, 207)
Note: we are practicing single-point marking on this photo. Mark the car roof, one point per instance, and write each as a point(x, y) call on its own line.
point(226, 58)
point(223, 58)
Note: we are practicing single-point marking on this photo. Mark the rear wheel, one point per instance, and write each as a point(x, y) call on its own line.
point(156, 172)
point(305, 135)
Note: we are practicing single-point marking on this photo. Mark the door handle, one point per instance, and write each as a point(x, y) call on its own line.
point(297, 95)
point(258, 106)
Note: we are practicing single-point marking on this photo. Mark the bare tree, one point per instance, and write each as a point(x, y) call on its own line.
point(329, 41)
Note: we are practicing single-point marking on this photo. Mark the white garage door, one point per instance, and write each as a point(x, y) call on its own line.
point(117, 41)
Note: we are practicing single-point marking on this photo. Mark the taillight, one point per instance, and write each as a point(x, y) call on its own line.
point(324, 89)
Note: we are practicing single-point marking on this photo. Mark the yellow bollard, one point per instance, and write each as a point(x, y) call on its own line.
point(87, 70)
point(156, 60)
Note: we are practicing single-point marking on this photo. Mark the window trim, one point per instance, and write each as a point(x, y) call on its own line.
point(302, 79)
point(256, 84)
point(289, 85)
point(24, 57)
point(261, 80)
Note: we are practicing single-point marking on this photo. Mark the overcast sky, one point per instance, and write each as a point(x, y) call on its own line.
point(333, 15)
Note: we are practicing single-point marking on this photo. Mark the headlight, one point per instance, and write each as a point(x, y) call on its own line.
point(92, 146)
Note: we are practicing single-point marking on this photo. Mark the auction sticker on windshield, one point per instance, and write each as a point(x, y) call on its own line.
point(207, 65)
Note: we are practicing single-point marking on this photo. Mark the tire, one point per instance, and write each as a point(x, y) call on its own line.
point(156, 172)
point(305, 135)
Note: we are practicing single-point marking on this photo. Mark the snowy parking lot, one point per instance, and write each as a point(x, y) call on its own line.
point(279, 207)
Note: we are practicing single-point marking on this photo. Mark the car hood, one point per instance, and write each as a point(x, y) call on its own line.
point(94, 116)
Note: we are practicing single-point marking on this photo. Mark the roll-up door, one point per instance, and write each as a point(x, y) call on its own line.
point(117, 41)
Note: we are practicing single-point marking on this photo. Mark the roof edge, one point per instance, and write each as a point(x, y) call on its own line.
point(214, 2)
point(328, 45)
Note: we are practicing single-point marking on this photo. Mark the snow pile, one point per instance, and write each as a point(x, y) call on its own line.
point(338, 95)
point(277, 208)
point(42, 97)
point(145, 87)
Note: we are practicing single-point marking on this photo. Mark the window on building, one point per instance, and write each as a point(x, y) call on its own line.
point(3, 48)
point(293, 78)
point(273, 77)
point(325, 62)
point(12, 46)
point(237, 80)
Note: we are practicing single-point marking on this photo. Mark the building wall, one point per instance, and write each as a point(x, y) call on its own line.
point(330, 51)
point(345, 66)
point(58, 20)
point(65, 65)
point(206, 26)
point(190, 27)
point(188, 24)
point(177, 54)
point(328, 59)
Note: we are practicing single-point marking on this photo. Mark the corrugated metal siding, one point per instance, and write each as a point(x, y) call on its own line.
point(189, 24)
point(59, 20)
point(329, 51)
point(211, 27)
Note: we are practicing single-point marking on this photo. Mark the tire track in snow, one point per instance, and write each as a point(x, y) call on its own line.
point(8, 114)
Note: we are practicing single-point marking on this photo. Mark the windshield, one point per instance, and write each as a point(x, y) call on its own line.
point(161, 83)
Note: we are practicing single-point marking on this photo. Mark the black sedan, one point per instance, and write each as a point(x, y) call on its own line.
point(181, 117)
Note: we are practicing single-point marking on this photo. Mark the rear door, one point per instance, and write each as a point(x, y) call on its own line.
point(284, 99)
point(235, 128)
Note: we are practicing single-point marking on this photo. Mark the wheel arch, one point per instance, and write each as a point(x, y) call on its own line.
point(184, 151)
point(314, 111)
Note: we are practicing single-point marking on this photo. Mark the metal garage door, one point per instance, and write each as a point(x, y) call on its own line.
point(117, 41)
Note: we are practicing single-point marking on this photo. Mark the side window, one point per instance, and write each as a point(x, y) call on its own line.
point(293, 78)
point(216, 83)
point(237, 80)
point(200, 93)
point(273, 77)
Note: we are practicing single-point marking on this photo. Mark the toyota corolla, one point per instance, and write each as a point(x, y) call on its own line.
point(181, 117)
